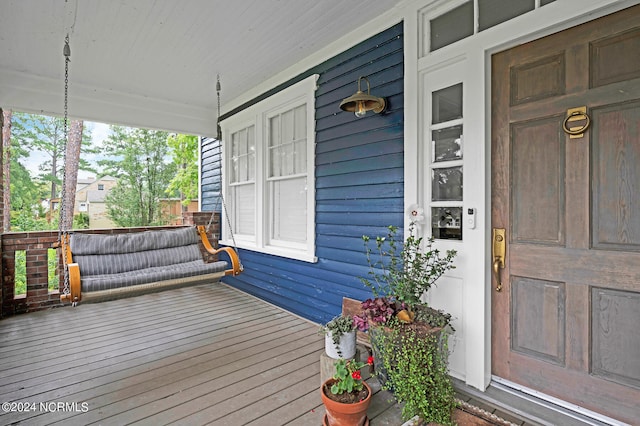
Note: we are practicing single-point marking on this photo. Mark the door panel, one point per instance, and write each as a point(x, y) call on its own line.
point(538, 318)
point(616, 315)
point(617, 49)
point(567, 321)
point(616, 177)
point(540, 79)
point(537, 188)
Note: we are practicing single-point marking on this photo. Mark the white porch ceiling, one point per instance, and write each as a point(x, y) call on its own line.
point(153, 63)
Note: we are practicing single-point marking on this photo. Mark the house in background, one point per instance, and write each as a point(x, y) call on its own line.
point(90, 200)
point(511, 124)
point(172, 209)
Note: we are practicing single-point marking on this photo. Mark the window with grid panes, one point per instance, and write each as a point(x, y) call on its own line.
point(268, 173)
point(287, 175)
point(242, 181)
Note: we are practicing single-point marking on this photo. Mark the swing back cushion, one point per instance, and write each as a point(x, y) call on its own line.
point(112, 263)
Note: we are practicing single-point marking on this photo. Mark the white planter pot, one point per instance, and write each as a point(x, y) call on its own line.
point(346, 348)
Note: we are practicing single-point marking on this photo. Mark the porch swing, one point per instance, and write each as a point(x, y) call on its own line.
point(100, 267)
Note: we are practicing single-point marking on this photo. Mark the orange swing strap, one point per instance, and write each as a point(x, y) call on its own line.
point(236, 266)
point(71, 292)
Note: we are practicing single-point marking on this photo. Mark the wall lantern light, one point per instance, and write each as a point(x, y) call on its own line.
point(360, 102)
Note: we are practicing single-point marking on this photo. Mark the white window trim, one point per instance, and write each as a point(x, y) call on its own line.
point(257, 114)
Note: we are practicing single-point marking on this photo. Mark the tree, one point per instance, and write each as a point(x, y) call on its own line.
point(184, 153)
point(27, 213)
point(137, 157)
point(45, 134)
point(21, 193)
point(72, 160)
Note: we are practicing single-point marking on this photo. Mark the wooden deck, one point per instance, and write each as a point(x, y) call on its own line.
point(206, 354)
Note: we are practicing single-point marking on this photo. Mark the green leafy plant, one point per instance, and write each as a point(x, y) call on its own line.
point(20, 272)
point(416, 369)
point(52, 270)
point(409, 338)
point(404, 271)
point(81, 221)
point(338, 327)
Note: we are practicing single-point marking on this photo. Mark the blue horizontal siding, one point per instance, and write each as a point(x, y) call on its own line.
point(379, 46)
point(376, 205)
point(390, 160)
point(361, 178)
point(354, 230)
point(364, 142)
point(359, 183)
point(211, 174)
point(373, 219)
point(380, 126)
point(362, 192)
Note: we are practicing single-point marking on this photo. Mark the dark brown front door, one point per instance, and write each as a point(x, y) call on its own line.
point(567, 321)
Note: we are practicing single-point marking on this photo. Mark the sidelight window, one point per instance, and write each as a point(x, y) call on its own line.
point(446, 163)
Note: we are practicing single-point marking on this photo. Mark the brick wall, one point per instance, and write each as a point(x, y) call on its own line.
point(35, 244)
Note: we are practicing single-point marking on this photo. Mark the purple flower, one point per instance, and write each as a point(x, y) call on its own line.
point(379, 310)
point(361, 322)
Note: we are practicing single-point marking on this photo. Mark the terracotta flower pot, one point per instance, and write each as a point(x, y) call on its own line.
point(341, 414)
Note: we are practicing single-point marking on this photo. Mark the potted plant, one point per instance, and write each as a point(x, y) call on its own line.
point(340, 337)
point(407, 336)
point(346, 396)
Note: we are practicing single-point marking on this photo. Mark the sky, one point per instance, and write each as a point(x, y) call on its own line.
point(99, 132)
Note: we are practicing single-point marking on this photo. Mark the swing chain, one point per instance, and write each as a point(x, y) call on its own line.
point(218, 128)
point(226, 214)
point(63, 233)
point(221, 198)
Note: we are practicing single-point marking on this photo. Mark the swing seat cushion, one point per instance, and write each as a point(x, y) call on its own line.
point(110, 262)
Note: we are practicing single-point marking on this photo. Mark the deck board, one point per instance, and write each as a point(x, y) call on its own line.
point(206, 354)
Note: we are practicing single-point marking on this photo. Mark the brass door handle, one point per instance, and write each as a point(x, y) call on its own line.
point(499, 251)
point(496, 270)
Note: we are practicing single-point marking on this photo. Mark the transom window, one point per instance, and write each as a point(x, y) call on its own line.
point(268, 173)
point(449, 21)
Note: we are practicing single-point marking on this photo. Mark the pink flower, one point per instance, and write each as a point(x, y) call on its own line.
point(361, 322)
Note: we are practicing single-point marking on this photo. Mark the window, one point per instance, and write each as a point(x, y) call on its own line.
point(100, 187)
point(242, 181)
point(268, 173)
point(452, 26)
point(287, 175)
point(446, 163)
point(444, 22)
point(494, 12)
point(83, 207)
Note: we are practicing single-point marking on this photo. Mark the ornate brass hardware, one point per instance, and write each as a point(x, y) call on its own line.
point(576, 114)
point(499, 250)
